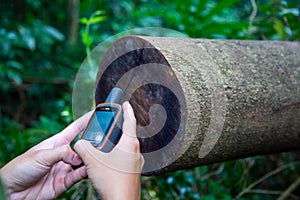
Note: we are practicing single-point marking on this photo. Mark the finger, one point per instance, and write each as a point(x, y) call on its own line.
point(48, 157)
point(129, 124)
point(128, 141)
point(65, 136)
point(86, 151)
point(75, 176)
point(76, 127)
point(118, 159)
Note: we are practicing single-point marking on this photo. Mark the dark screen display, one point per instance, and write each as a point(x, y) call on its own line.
point(99, 124)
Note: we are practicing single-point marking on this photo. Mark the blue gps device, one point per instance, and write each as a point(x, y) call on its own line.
point(105, 126)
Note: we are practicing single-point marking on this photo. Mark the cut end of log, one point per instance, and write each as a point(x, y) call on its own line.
point(153, 90)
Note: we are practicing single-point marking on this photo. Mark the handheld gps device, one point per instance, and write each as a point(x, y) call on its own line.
point(105, 126)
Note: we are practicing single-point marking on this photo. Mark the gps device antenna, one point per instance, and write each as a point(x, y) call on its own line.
point(115, 96)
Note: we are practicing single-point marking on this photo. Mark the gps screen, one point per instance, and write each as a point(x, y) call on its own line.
point(99, 124)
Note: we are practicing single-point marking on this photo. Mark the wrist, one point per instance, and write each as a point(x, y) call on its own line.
point(124, 191)
point(2, 178)
point(6, 178)
point(120, 195)
point(3, 191)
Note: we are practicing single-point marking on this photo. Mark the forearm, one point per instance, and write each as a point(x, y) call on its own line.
point(3, 194)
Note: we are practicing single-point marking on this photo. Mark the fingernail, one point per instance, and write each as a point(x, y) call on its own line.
point(76, 159)
point(124, 105)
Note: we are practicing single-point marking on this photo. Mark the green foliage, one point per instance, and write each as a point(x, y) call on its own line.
point(225, 181)
point(38, 65)
point(95, 18)
point(36, 73)
point(277, 20)
point(87, 39)
point(209, 19)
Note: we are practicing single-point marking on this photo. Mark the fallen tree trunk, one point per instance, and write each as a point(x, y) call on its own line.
point(201, 101)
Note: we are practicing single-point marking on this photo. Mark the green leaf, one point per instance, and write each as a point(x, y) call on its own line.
point(16, 77)
point(203, 170)
point(27, 38)
point(201, 5)
point(54, 33)
point(279, 28)
point(291, 11)
point(98, 12)
point(84, 20)
point(34, 3)
point(219, 7)
point(86, 39)
point(14, 64)
point(96, 20)
point(221, 27)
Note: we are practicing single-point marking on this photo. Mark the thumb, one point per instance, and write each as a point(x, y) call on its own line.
point(85, 150)
point(48, 157)
point(129, 142)
point(129, 124)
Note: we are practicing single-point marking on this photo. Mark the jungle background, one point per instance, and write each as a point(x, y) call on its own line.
point(43, 44)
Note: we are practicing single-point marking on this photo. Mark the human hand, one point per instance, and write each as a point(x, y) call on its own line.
point(44, 171)
point(115, 175)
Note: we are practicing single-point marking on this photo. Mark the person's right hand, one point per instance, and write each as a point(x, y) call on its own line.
point(44, 171)
point(115, 175)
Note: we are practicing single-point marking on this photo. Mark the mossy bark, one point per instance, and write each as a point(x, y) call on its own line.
point(231, 99)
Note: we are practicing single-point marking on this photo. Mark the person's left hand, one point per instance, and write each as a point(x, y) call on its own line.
point(44, 171)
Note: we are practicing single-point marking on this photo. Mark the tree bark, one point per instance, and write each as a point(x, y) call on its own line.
point(73, 14)
point(200, 101)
